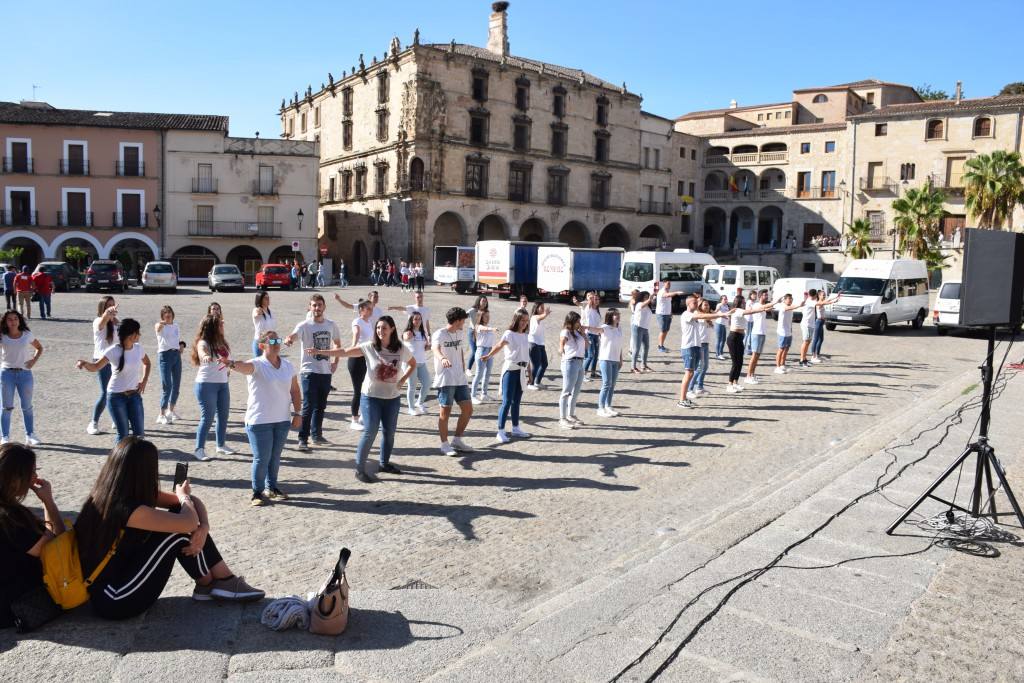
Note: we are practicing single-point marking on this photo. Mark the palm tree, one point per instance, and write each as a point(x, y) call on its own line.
point(993, 186)
point(918, 213)
point(858, 245)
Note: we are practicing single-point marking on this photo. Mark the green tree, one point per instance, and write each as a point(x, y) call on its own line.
point(1016, 88)
point(927, 92)
point(917, 216)
point(75, 255)
point(14, 254)
point(993, 186)
point(858, 245)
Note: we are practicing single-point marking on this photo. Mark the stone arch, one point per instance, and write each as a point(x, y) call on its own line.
point(108, 248)
point(248, 259)
point(772, 179)
point(717, 152)
point(193, 262)
point(533, 230)
point(715, 226)
point(575, 234)
point(652, 237)
point(614, 235)
point(14, 235)
point(741, 228)
point(282, 254)
point(492, 227)
point(744, 149)
point(449, 230)
point(75, 235)
point(715, 181)
point(416, 170)
point(774, 147)
point(769, 227)
point(63, 242)
point(746, 184)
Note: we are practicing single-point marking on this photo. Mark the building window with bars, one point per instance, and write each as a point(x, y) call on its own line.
point(522, 94)
point(476, 178)
point(558, 184)
point(382, 87)
point(519, 183)
point(559, 138)
point(382, 125)
point(521, 135)
point(908, 171)
point(380, 180)
point(346, 135)
point(330, 188)
point(478, 128)
point(599, 191)
point(361, 182)
point(346, 184)
point(346, 102)
point(602, 142)
point(602, 111)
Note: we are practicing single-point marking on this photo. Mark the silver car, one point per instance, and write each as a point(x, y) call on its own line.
point(225, 276)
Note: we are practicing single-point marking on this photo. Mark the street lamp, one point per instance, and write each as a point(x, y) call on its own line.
point(156, 214)
point(842, 210)
point(300, 216)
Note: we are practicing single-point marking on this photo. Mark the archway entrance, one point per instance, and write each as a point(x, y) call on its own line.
point(492, 228)
point(714, 227)
point(360, 260)
point(31, 253)
point(134, 255)
point(60, 252)
point(449, 230)
point(284, 255)
point(532, 230)
point(741, 228)
point(416, 174)
point(614, 235)
point(193, 262)
point(769, 227)
point(575, 234)
point(248, 261)
point(653, 238)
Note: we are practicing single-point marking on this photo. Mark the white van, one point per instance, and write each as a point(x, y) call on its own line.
point(879, 293)
point(728, 280)
point(682, 267)
point(797, 287)
point(946, 315)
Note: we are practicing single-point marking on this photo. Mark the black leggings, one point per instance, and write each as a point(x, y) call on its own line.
point(735, 343)
point(136, 576)
point(357, 371)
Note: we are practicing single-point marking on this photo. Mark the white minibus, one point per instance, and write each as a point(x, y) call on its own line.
point(879, 293)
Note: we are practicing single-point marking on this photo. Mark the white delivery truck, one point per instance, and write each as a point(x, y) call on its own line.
point(572, 271)
point(455, 266)
point(683, 267)
point(728, 280)
point(879, 293)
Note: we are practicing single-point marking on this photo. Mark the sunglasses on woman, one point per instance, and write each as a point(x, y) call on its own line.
point(274, 341)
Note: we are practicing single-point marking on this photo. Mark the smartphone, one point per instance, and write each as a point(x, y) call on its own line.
point(180, 474)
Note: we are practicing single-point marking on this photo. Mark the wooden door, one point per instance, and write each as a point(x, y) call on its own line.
point(21, 207)
point(19, 158)
point(131, 210)
point(76, 161)
point(76, 209)
point(955, 171)
point(950, 224)
point(874, 174)
point(131, 161)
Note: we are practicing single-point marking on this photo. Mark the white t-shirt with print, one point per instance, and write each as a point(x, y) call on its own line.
point(611, 343)
point(450, 345)
point(128, 378)
point(270, 396)
point(383, 368)
point(320, 336)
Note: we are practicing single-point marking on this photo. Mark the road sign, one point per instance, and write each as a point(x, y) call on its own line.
point(295, 245)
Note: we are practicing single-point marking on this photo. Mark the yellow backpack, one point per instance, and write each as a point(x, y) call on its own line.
point(62, 569)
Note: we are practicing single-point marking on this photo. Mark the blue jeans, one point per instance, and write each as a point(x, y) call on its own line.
point(511, 398)
point(127, 414)
point(572, 382)
point(256, 350)
point(44, 306)
point(721, 331)
point(749, 336)
point(19, 381)
point(609, 376)
point(590, 359)
point(214, 402)
point(819, 337)
point(539, 361)
point(378, 414)
point(342, 279)
point(267, 442)
point(422, 375)
point(472, 350)
point(103, 376)
point(702, 367)
point(483, 370)
point(315, 387)
point(170, 377)
point(641, 340)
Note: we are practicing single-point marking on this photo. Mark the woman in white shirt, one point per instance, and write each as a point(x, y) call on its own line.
point(704, 336)
point(538, 348)
point(127, 380)
point(362, 330)
point(640, 332)
point(168, 359)
point(272, 408)
point(19, 351)
point(515, 343)
point(479, 305)
point(380, 397)
point(415, 337)
point(104, 335)
point(262, 321)
point(210, 352)
point(485, 335)
point(572, 344)
point(610, 358)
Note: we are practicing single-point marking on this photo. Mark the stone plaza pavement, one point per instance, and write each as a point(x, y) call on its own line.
point(605, 553)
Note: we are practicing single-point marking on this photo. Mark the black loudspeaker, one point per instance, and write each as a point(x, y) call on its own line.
point(992, 289)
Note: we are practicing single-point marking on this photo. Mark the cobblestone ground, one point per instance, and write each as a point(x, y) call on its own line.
point(511, 525)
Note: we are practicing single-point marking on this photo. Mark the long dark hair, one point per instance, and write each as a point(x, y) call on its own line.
point(127, 328)
point(536, 308)
point(259, 303)
point(572, 319)
point(17, 470)
point(210, 332)
point(394, 344)
point(517, 319)
point(101, 308)
point(409, 327)
point(739, 302)
point(482, 299)
point(22, 325)
point(610, 315)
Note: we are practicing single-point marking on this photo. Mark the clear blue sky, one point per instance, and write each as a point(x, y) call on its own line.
point(240, 59)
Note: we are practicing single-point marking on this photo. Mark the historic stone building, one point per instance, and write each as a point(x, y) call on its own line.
point(449, 143)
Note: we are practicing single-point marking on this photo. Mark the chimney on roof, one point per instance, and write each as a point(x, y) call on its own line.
point(36, 104)
point(733, 104)
point(959, 91)
point(497, 29)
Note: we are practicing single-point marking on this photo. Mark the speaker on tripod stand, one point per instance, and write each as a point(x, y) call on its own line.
point(991, 298)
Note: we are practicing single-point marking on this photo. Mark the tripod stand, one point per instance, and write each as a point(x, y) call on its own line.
point(986, 462)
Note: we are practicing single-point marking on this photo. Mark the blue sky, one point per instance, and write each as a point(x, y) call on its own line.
point(240, 59)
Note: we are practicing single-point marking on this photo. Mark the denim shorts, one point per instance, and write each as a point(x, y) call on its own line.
point(785, 342)
point(449, 396)
point(756, 343)
point(691, 357)
point(665, 321)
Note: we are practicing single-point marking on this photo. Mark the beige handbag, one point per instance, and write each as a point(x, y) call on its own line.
point(329, 614)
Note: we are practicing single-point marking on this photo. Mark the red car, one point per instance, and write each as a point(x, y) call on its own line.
point(274, 275)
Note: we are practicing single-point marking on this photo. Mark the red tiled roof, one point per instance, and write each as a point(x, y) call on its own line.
point(42, 114)
point(944, 107)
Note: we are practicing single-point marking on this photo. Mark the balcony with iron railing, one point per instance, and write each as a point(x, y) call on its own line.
point(19, 165)
point(766, 195)
point(75, 219)
point(10, 218)
point(131, 220)
point(204, 186)
point(205, 228)
point(264, 188)
point(74, 167)
point(747, 158)
point(130, 169)
point(880, 184)
point(816, 193)
point(951, 183)
point(660, 208)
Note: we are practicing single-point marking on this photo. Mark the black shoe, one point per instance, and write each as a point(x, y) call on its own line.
point(321, 441)
point(390, 469)
point(364, 477)
point(303, 446)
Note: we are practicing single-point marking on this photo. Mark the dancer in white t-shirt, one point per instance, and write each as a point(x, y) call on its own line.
point(809, 316)
point(516, 345)
point(449, 345)
point(784, 331)
point(418, 341)
point(663, 309)
point(538, 348)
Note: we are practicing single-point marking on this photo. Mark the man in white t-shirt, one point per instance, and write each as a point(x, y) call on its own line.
point(319, 333)
point(448, 344)
point(690, 345)
point(417, 307)
point(663, 310)
point(373, 297)
point(784, 310)
point(758, 326)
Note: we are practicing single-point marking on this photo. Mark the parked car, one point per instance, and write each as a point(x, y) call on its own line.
point(946, 315)
point(274, 275)
point(159, 275)
point(797, 287)
point(225, 276)
point(65, 277)
point(105, 274)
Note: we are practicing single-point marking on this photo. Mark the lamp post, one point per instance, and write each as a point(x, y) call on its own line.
point(300, 216)
point(842, 210)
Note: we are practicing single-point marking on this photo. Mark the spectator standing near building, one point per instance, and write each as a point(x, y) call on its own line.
point(10, 295)
point(23, 287)
point(320, 334)
point(313, 271)
point(449, 344)
point(42, 283)
point(342, 274)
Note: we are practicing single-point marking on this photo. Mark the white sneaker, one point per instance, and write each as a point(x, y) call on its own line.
point(532, 387)
point(32, 440)
point(4, 440)
point(565, 424)
point(421, 409)
point(786, 370)
point(161, 420)
point(576, 421)
point(692, 395)
point(477, 400)
point(739, 387)
point(780, 370)
point(601, 412)
point(224, 450)
point(447, 449)
point(612, 413)
point(519, 433)
point(173, 416)
point(460, 445)
point(719, 357)
point(750, 379)
point(703, 392)
point(93, 429)
point(503, 437)
point(355, 426)
point(815, 360)
point(412, 411)
point(732, 389)
point(485, 397)
point(200, 455)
